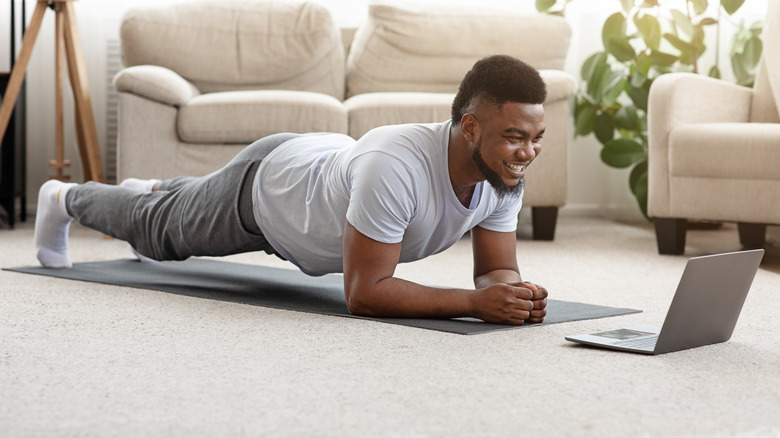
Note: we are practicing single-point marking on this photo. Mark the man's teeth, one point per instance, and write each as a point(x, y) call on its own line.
point(516, 167)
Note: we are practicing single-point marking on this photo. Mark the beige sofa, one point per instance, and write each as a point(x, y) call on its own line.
point(714, 150)
point(206, 78)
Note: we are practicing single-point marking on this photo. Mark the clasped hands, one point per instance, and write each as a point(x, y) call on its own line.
point(514, 303)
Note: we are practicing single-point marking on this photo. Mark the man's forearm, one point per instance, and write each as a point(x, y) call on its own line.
point(396, 298)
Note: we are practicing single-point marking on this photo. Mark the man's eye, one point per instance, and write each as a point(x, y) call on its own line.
point(538, 139)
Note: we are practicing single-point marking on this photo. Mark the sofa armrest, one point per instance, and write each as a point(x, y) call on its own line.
point(678, 99)
point(560, 85)
point(156, 83)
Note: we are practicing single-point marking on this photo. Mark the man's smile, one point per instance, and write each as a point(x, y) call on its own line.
point(517, 170)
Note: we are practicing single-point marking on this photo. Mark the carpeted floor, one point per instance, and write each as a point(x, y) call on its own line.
point(81, 359)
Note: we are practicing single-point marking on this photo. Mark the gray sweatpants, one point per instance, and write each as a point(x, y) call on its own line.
point(188, 216)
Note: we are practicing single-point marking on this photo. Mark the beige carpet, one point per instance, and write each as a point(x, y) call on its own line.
point(80, 359)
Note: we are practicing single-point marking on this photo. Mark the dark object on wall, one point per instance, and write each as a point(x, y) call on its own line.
point(12, 151)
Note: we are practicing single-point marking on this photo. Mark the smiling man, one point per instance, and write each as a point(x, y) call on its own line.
point(330, 204)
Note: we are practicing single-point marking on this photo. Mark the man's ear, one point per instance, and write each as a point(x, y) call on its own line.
point(469, 126)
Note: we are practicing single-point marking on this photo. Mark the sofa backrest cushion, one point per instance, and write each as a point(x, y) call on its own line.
point(429, 48)
point(222, 45)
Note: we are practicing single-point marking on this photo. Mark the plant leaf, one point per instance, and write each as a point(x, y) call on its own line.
point(604, 127)
point(714, 72)
point(627, 118)
point(597, 75)
point(650, 30)
point(662, 59)
point(643, 64)
point(687, 50)
point(679, 43)
point(622, 153)
point(699, 6)
point(638, 182)
point(617, 86)
point(698, 41)
point(752, 53)
point(639, 95)
point(584, 120)
point(682, 22)
point(731, 6)
point(594, 62)
point(614, 27)
point(544, 5)
point(620, 48)
point(741, 74)
point(637, 174)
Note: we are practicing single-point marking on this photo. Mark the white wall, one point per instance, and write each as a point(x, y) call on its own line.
point(594, 188)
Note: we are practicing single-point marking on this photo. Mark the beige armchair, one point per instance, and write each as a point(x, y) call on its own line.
point(206, 78)
point(714, 150)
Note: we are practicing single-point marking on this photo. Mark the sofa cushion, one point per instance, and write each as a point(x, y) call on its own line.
point(245, 116)
point(221, 45)
point(726, 150)
point(370, 110)
point(429, 48)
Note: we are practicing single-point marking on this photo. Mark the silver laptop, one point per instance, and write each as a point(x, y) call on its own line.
point(704, 309)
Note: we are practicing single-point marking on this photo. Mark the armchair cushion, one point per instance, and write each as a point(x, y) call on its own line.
point(156, 83)
point(245, 116)
point(726, 151)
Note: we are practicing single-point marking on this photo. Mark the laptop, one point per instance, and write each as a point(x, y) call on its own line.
point(704, 309)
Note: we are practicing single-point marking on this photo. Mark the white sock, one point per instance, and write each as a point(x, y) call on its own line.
point(52, 223)
point(144, 185)
point(142, 258)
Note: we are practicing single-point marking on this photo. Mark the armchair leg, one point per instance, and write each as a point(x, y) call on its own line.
point(751, 236)
point(543, 220)
point(670, 235)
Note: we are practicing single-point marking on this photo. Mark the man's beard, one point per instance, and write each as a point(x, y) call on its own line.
point(494, 179)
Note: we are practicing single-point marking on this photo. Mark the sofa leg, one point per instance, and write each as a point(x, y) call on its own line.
point(543, 220)
point(670, 235)
point(751, 236)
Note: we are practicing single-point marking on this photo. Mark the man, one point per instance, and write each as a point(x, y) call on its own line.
point(330, 204)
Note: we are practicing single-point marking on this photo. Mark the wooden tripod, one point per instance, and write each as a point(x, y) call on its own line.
point(68, 44)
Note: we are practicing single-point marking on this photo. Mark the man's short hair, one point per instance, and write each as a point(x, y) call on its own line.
point(498, 79)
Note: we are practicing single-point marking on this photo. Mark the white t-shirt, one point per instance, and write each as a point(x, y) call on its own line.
point(392, 185)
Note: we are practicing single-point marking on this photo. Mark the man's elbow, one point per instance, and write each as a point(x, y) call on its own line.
point(358, 305)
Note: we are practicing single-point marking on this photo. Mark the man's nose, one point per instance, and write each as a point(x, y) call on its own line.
point(525, 151)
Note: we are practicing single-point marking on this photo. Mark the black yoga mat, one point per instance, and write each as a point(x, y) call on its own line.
point(281, 289)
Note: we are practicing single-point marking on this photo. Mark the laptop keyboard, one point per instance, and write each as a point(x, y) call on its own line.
point(643, 343)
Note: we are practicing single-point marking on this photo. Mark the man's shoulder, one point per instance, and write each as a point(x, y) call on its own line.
point(402, 140)
point(401, 131)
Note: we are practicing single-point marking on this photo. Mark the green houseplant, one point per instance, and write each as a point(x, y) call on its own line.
point(641, 41)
